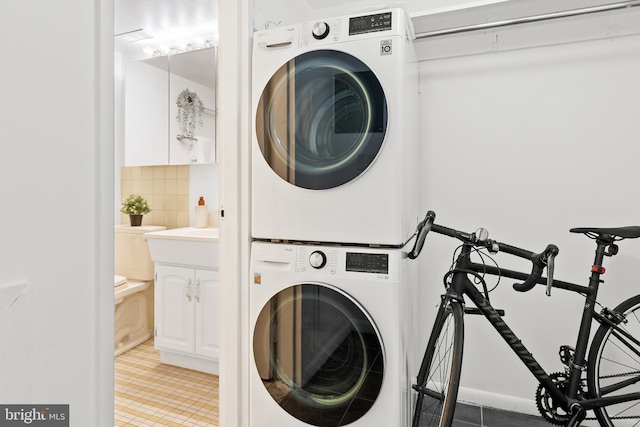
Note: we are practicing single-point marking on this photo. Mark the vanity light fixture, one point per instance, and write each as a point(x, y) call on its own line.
point(180, 48)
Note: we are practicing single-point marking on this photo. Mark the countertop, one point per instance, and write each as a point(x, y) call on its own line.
point(186, 233)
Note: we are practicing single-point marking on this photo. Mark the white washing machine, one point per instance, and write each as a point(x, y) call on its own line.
point(335, 131)
point(332, 334)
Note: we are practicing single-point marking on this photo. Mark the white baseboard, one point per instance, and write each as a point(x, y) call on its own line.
point(498, 401)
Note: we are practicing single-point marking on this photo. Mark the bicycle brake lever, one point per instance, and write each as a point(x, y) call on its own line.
point(550, 268)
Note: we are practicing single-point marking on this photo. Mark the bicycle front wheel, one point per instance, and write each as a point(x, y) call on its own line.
point(614, 365)
point(439, 375)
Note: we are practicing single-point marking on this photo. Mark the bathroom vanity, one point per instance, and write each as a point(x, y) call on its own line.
point(186, 296)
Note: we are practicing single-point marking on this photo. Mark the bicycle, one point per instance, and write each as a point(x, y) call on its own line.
point(611, 388)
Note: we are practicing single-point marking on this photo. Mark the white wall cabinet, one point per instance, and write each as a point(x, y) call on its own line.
point(186, 317)
point(146, 111)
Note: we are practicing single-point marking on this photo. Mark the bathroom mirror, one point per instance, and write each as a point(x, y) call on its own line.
point(192, 88)
point(153, 134)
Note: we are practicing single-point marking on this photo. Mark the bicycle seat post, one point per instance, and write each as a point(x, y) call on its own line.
point(603, 242)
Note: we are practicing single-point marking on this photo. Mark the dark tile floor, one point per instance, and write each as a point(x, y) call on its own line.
point(476, 416)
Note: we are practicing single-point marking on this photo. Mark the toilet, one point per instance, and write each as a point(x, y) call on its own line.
point(133, 274)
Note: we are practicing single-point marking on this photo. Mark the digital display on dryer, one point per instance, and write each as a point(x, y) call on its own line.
point(370, 23)
point(368, 263)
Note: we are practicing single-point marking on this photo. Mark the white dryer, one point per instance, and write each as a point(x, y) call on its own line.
point(332, 334)
point(334, 146)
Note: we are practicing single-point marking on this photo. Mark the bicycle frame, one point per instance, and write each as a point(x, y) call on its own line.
point(461, 285)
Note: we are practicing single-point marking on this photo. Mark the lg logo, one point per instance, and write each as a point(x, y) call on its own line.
point(385, 47)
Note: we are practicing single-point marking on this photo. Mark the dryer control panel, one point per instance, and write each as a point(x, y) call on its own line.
point(335, 30)
point(370, 23)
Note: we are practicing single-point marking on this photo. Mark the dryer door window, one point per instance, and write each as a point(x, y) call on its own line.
point(321, 119)
point(319, 355)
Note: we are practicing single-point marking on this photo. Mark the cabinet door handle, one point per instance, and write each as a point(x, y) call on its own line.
point(197, 290)
point(188, 289)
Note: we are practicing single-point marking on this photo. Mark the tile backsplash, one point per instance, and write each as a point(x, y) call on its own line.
point(166, 188)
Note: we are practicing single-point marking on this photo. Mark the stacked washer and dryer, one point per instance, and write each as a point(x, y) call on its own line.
point(332, 296)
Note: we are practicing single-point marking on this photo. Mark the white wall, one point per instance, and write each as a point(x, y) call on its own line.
point(204, 182)
point(274, 13)
point(56, 250)
point(528, 143)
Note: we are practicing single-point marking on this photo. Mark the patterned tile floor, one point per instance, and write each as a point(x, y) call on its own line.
point(148, 393)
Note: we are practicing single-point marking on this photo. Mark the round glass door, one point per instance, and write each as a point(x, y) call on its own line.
point(321, 120)
point(319, 355)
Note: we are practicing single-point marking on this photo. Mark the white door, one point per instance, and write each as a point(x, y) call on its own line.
point(174, 308)
point(206, 312)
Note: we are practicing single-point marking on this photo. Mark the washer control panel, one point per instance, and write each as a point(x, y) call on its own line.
point(321, 262)
point(342, 260)
point(368, 262)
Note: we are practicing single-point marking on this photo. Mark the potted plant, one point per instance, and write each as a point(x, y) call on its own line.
point(135, 206)
point(190, 108)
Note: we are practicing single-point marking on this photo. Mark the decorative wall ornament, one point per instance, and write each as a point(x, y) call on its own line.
point(190, 108)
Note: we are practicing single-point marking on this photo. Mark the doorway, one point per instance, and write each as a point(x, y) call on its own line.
point(149, 30)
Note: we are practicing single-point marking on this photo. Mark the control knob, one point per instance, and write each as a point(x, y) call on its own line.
point(320, 30)
point(317, 259)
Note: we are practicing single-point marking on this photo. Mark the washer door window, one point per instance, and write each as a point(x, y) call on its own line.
point(321, 119)
point(319, 355)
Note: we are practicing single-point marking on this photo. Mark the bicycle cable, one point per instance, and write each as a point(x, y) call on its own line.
point(482, 256)
point(478, 277)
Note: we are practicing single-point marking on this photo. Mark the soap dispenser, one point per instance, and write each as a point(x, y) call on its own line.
point(201, 214)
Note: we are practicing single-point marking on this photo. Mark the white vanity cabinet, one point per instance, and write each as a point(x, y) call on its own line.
point(186, 317)
point(186, 296)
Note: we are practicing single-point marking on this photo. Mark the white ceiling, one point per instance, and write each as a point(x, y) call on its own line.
point(171, 23)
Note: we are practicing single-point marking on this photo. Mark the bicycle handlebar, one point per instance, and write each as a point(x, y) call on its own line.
point(422, 230)
point(540, 260)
